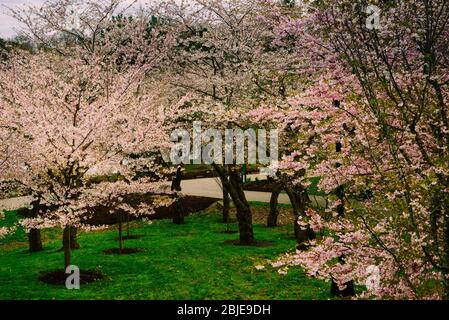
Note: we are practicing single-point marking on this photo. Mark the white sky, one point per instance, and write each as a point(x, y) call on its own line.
point(8, 25)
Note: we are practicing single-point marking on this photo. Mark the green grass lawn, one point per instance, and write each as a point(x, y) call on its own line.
point(189, 261)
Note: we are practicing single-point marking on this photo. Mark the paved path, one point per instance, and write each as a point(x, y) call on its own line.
point(205, 187)
point(15, 203)
point(211, 187)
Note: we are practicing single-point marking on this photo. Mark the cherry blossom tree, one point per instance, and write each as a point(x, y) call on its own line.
point(358, 92)
point(218, 60)
point(275, 74)
point(378, 91)
point(106, 36)
point(81, 115)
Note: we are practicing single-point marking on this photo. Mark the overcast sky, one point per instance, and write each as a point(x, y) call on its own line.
point(9, 26)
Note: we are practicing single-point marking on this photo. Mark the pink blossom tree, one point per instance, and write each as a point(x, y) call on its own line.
point(81, 115)
point(121, 49)
point(378, 90)
point(221, 58)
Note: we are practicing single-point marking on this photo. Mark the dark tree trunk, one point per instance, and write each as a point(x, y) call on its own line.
point(120, 234)
point(303, 235)
point(34, 236)
point(179, 217)
point(73, 242)
point(178, 214)
point(177, 179)
point(226, 204)
point(245, 225)
point(35, 240)
point(244, 215)
point(66, 246)
point(300, 201)
point(176, 187)
point(340, 192)
point(274, 212)
point(235, 188)
point(128, 233)
point(74, 245)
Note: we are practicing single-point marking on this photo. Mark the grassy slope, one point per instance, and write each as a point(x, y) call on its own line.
point(180, 262)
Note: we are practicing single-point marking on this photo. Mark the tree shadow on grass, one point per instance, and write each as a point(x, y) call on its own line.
point(58, 277)
point(123, 251)
point(131, 237)
point(256, 243)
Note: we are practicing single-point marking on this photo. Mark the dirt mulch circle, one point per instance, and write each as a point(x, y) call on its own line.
point(230, 231)
point(123, 251)
point(59, 277)
point(131, 237)
point(257, 243)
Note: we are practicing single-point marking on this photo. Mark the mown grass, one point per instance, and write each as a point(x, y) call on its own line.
point(190, 261)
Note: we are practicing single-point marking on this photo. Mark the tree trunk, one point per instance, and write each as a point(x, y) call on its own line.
point(35, 240)
point(245, 225)
point(244, 215)
point(235, 188)
point(226, 204)
point(178, 214)
point(128, 233)
point(299, 200)
point(74, 245)
point(274, 212)
point(179, 217)
point(177, 179)
point(120, 234)
point(66, 246)
point(176, 187)
point(34, 236)
point(340, 192)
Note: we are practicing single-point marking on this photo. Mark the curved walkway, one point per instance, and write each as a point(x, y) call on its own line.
point(205, 187)
point(211, 187)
